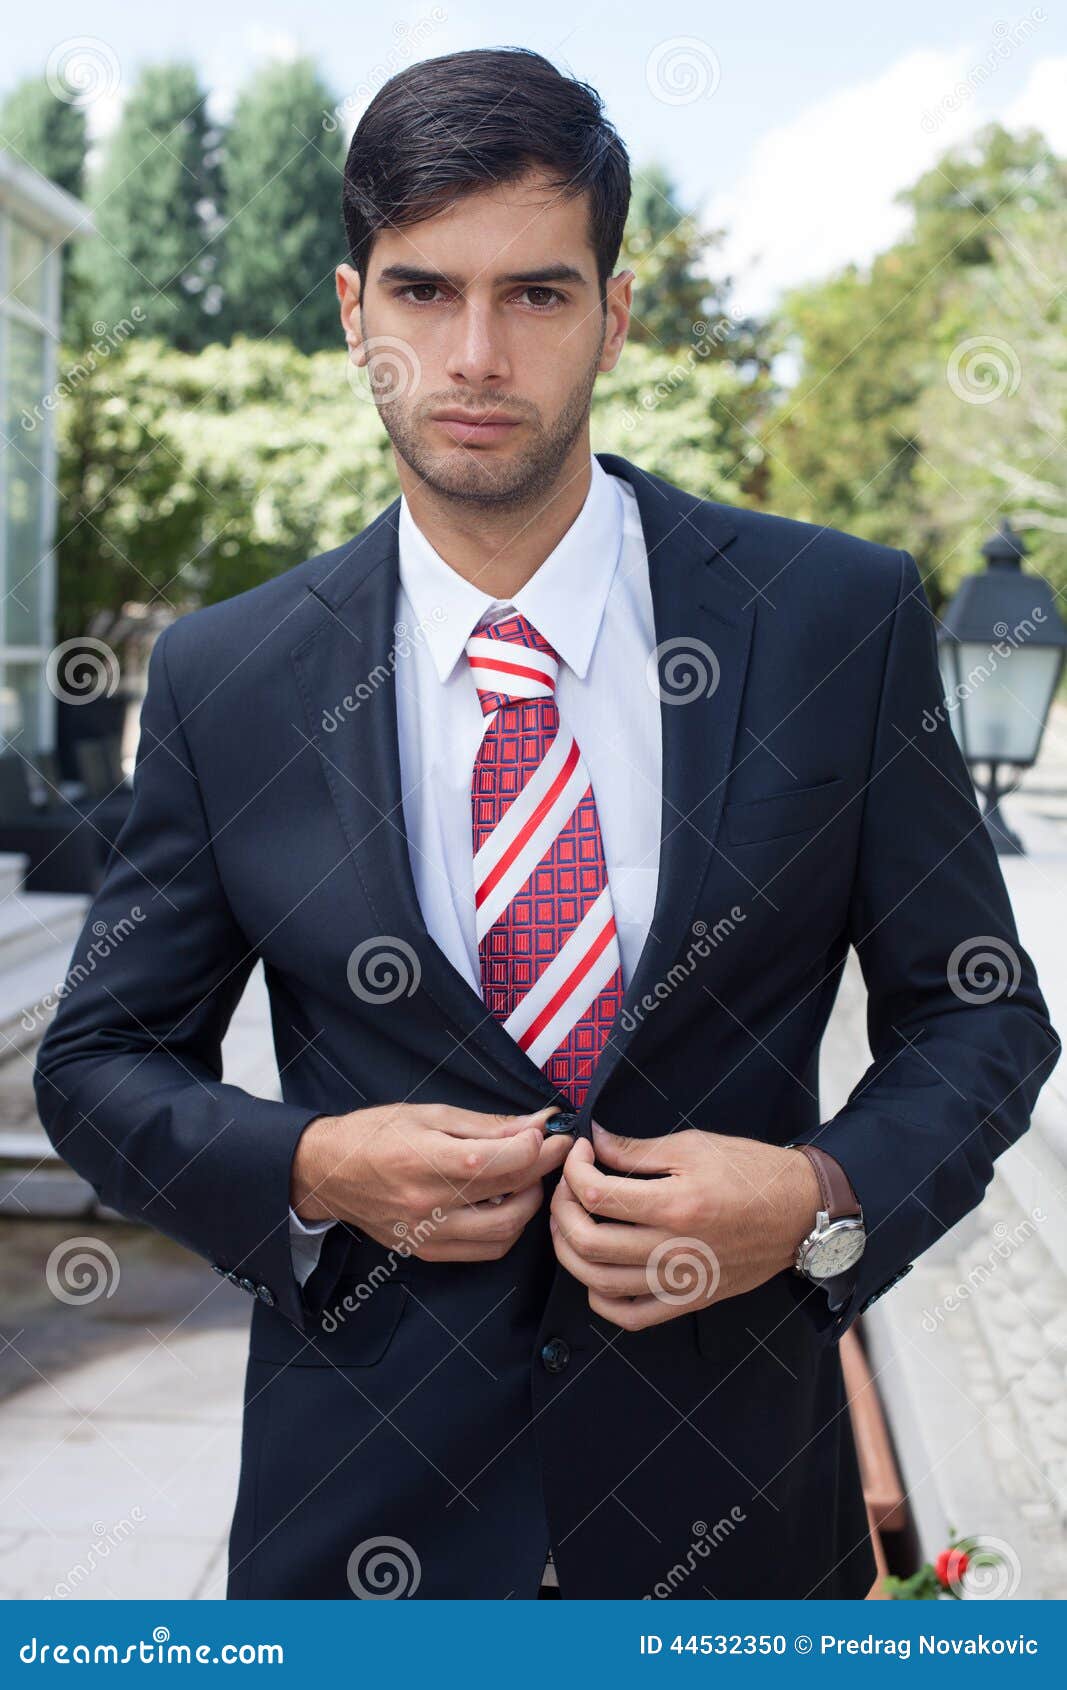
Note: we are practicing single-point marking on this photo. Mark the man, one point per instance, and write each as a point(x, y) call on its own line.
point(552, 803)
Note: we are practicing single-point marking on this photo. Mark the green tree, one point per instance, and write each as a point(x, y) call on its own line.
point(155, 208)
point(188, 478)
point(45, 132)
point(669, 254)
point(994, 422)
point(282, 172)
point(956, 204)
point(843, 445)
point(665, 248)
point(849, 443)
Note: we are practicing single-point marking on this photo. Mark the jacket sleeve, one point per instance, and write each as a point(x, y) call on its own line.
point(959, 1032)
point(128, 1075)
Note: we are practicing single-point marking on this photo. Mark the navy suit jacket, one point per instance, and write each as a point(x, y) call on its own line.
point(814, 798)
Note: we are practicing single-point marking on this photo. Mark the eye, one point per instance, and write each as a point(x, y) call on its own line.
point(417, 287)
point(553, 297)
point(421, 293)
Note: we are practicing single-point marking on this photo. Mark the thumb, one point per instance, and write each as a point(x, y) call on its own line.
point(539, 1118)
point(635, 1155)
point(581, 1152)
point(467, 1123)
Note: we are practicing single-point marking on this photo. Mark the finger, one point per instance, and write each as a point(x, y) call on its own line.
point(609, 1243)
point(468, 1252)
point(565, 1205)
point(491, 1223)
point(617, 1198)
point(470, 1123)
point(609, 1281)
point(582, 1153)
point(551, 1155)
point(482, 1167)
point(633, 1314)
point(636, 1155)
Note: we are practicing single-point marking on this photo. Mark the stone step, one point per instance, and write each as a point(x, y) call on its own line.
point(32, 923)
point(28, 983)
point(12, 869)
point(33, 1178)
point(50, 1192)
point(37, 934)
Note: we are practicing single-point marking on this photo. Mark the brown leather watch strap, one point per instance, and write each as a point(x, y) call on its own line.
point(835, 1188)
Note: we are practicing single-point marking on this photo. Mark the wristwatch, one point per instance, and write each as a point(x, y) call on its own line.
point(838, 1238)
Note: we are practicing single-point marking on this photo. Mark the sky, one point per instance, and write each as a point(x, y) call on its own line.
point(791, 128)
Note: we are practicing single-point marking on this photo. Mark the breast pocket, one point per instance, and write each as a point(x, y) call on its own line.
point(800, 810)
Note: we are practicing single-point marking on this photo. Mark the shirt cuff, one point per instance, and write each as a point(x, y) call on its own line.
point(305, 1244)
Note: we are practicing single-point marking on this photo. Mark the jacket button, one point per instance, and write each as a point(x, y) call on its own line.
point(561, 1123)
point(266, 1295)
point(236, 1277)
point(247, 1285)
point(217, 1267)
point(555, 1355)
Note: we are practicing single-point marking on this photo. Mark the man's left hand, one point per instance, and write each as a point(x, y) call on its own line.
point(721, 1216)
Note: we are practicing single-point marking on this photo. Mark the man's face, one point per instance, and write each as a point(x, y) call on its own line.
point(491, 307)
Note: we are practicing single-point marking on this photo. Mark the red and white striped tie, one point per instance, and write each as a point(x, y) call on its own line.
point(547, 941)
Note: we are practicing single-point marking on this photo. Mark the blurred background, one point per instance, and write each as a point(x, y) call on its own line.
point(849, 232)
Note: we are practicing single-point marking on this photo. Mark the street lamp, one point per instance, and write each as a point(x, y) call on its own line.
point(1001, 644)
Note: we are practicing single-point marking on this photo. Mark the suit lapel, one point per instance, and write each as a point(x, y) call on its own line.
point(703, 609)
point(346, 674)
point(349, 660)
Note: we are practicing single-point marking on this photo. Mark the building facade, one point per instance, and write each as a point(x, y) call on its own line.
point(36, 220)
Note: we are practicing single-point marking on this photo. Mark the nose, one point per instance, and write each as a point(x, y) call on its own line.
point(478, 353)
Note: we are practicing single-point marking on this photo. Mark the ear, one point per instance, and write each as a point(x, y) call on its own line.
point(348, 292)
point(618, 292)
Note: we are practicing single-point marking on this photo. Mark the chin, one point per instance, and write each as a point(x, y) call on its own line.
point(481, 473)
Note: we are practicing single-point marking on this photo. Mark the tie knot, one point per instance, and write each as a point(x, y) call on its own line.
point(509, 660)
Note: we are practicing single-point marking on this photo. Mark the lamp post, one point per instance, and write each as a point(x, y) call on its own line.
point(1001, 644)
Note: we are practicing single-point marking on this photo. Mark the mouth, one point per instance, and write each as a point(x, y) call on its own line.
point(475, 428)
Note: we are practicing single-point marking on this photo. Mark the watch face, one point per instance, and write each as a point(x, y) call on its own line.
point(839, 1248)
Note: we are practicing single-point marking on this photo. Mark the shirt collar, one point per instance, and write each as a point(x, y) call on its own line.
point(564, 598)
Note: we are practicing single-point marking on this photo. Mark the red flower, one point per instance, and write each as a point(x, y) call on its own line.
point(951, 1565)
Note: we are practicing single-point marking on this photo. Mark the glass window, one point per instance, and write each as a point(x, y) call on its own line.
point(28, 267)
point(20, 705)
point(25, 567)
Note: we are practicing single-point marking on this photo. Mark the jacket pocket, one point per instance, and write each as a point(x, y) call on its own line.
point(782, 813)
point(354, 1330)
point(762, 1326)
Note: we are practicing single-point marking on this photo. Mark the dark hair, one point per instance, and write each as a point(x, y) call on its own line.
point(455, 124)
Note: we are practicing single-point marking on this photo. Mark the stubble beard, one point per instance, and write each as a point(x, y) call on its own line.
point(473, 476)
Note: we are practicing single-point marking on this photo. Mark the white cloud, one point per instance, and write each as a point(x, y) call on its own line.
point(236, 56)
point(1042, 104)
point(818, 191)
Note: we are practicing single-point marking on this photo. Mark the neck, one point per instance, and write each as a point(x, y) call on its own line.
point(498, 551)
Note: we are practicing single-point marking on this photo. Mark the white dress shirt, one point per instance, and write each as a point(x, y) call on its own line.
point(591, 600)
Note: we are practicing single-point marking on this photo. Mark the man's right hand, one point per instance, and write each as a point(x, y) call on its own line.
point(425, 1173)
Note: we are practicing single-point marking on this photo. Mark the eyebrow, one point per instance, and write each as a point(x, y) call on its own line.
point(414, 273)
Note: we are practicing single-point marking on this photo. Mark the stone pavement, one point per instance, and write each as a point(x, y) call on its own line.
point(119, 1418)
point(120, 1413)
